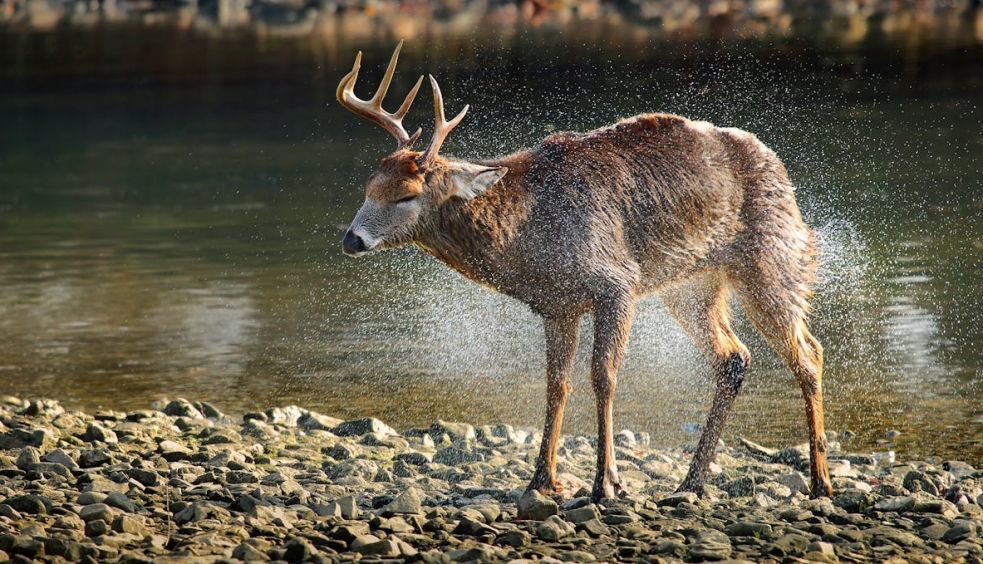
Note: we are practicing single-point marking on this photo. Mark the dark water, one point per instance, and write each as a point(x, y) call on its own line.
point(171, 206)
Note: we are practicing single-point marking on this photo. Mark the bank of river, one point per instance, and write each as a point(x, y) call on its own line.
point(186, 483)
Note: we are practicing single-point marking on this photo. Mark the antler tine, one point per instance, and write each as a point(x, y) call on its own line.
point(372, 108)
point(441, 126)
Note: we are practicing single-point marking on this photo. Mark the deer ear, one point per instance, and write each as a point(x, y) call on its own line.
point(470, 180)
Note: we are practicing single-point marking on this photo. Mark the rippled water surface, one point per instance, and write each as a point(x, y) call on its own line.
point(170, 222)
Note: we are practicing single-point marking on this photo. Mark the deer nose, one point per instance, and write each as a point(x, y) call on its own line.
point(353, 244)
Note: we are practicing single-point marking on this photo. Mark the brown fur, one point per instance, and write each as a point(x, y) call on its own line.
point(590, 223)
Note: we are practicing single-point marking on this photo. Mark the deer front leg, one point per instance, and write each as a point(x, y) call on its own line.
point(561, 345)
point(612, 322)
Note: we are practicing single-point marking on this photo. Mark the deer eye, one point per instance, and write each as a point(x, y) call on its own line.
point(406, 199)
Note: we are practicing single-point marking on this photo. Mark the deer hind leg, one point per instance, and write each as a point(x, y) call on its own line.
point(612, 323)
point(780, 315)
point(701, 308)
point(561, 345)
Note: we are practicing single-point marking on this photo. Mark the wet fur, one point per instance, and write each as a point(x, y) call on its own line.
point(590, 223)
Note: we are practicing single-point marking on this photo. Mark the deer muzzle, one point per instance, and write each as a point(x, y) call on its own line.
point(353, 244)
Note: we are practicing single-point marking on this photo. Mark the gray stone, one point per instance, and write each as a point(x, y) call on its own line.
point(748, 529)
point(121, 502)
point(582, 514)
point(32, 504)
point(453, 456)
point(853, 500)
point(915, 481)
point(28, 458)
point(90, 497)
point(406, 503)
point(313, 421)
point(148, 478)
point(895, 504)
point(535, 507)
point(130, 524)
point(183, 408)
point(575, 556)
point(677, 498)
point(473, 527)
point(456, 431)
point(794, 481)
point(414, 458)
point(248, 553)
point(59, 456)
point(96, 528)
point(554, 528)
point(363, 426)
point(960, 530)
point(349, 532)
point(97, 433)
point(796, 457)
point(709, 544)
point(594, 528)
point(299, 549)
point(97, 511)
point(625, 438)
point(516, 538)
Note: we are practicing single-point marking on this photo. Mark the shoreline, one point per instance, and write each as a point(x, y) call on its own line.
point(187, 483)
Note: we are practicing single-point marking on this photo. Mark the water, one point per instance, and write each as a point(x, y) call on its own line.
point(170, 223)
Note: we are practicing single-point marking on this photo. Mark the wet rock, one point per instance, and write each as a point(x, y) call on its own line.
point(516, 538)
point(28, 458)
point(895, 504)
point(363, 426)
point(182, 408)
point(582, 514)
point(453, 456)
point(96, 433)
point(748, 529)
point(458, 432)
point(709, 544)
point(625, 438)
point(535, 507)
point(795, 481)
point(554, 528)
point(916, 481)
point(961, 530)
point(248, 553)
point(677, 498)
point(313, 421)
point(31, 504)
point(299, 549)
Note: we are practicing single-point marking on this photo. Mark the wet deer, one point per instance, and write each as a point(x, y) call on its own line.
point(589, 223)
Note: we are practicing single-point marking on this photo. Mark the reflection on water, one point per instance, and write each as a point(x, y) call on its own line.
point(171, 227)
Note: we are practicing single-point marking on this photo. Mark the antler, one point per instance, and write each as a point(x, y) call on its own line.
point(372, 109)
point(441, 127)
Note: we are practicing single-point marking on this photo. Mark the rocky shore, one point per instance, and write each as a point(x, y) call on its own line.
point(186, 483)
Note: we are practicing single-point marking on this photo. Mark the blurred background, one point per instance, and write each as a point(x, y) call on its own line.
point(175, 179)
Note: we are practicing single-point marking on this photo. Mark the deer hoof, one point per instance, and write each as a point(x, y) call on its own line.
point(821, 489)
point(698, 489)
point(545, 485)
point(606, 490)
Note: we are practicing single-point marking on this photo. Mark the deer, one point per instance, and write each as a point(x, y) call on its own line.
point(590, 223)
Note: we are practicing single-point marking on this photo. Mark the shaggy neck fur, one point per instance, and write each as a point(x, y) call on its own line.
point(473, 237)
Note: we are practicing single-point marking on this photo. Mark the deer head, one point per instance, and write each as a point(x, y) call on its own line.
point(409, 186)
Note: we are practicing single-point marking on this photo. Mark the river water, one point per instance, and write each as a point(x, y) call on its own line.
point(171, 206)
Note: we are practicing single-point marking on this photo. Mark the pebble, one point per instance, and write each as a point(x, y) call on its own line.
point(187, 484)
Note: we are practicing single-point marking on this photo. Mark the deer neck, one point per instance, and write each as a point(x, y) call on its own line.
point(477, 236)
